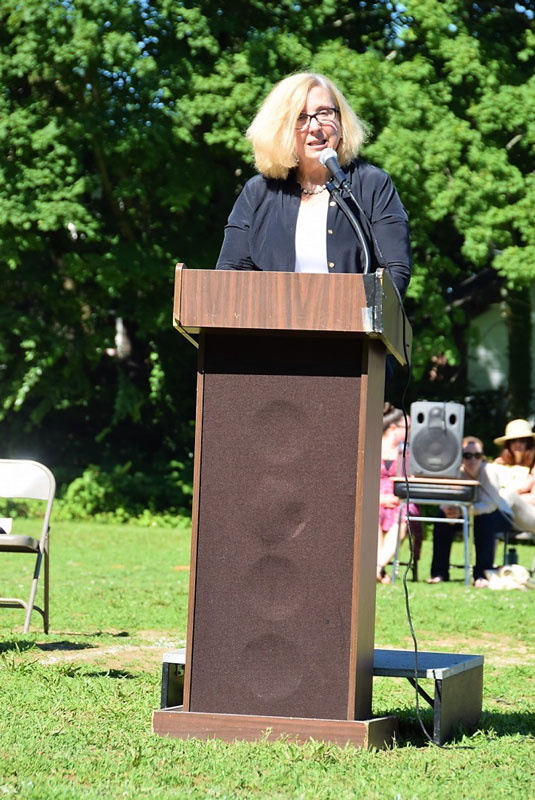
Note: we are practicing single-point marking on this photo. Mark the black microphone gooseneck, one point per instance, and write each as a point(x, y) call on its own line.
point(336, 186)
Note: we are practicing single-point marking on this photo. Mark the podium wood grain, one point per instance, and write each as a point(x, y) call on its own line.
point(239, 300)
point(286, 493)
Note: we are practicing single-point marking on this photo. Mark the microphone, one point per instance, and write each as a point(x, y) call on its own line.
point(329, 159)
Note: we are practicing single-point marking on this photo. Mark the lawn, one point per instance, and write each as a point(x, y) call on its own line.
point(75, 717)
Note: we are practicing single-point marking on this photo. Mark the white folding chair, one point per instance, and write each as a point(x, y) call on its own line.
point(28, 480)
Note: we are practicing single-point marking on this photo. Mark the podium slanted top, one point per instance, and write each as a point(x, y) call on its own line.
point(253, 300)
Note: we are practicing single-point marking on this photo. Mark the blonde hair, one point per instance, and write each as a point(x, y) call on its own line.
point(272, 131)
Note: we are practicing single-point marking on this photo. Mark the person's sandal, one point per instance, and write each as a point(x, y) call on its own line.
point(382, 577)
point(436, 579)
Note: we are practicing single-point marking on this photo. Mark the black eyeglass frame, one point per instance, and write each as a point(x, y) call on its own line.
point(470, 456)
point(315, 116)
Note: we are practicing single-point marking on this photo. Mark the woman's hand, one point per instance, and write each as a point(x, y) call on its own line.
point(527, 486)
point(451, 512)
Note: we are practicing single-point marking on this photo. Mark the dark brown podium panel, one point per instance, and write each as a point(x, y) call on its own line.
point(286, 492)
point(276, 526)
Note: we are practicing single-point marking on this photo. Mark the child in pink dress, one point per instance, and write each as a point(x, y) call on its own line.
point(389, 504)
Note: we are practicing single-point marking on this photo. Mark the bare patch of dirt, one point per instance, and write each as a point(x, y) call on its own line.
point(116, 656)
point(499, 650)
point(146, 653)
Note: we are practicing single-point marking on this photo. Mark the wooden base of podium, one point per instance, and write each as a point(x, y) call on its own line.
point(379, 732)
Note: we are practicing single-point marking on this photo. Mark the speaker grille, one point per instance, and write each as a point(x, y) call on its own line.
point(276, 530)
point(434, 450)
point(436, 438)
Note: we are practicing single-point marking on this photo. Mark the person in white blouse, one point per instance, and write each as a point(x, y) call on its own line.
point(496, 510)
point(285, 219)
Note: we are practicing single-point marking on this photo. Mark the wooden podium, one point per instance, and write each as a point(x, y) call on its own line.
point(286, 490)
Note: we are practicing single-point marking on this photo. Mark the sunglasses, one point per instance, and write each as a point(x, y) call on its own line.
point(470, 456)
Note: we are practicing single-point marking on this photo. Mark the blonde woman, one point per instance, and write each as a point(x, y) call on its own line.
point(284, 219)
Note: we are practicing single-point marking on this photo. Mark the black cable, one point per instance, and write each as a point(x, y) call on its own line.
point(414, 681)
point(336, 194)
point(407, 515)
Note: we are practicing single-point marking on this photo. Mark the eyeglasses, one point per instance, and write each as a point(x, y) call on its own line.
point(323, 116)
point(470, 456)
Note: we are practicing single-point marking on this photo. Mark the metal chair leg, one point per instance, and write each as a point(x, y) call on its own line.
point(33, 591)
point(46, 606)
point(466, 547)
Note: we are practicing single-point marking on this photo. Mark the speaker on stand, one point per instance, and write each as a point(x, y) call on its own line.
point(436, 437)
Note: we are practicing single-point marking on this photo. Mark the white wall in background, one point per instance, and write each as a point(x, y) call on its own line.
point(488, 350)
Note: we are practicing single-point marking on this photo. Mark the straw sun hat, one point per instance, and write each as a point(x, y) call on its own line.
point(516, 429)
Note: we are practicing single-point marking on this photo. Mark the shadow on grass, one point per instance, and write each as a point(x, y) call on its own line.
point(63, 645)
point(17, 646)
point(409, 729)
point(492, 725)
point(497, 723)
point(22, 645)
point(78, 671)
point(95, 634)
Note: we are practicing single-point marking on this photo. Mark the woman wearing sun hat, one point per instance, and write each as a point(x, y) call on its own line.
point(517, 459)
point(497, 510)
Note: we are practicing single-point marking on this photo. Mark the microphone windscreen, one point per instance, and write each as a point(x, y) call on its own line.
point(326, 154)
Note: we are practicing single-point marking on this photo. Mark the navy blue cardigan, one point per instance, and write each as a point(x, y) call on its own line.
point(260, 232)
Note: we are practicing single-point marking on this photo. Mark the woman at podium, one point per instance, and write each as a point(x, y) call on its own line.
point(285, 218)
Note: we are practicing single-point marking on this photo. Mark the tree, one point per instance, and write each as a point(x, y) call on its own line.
point(112, 170)
point(121, 148)
point(468, 69)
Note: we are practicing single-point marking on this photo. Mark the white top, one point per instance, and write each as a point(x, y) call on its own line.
point(491, 498)
point(311, 237)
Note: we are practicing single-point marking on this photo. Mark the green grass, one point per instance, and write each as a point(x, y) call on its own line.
point(75, 715)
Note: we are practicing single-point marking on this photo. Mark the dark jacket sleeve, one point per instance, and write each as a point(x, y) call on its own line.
point(390, 230)
point(235, 252)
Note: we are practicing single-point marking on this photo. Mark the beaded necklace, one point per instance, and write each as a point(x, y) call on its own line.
point(316, 190)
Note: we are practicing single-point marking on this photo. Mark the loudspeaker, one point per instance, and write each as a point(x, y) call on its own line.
point(436, 439)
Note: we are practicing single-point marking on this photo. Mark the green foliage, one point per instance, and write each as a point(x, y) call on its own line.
point(123, 494)
point(121, 150)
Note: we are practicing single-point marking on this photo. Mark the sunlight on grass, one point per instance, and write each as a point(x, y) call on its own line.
point(75, 720)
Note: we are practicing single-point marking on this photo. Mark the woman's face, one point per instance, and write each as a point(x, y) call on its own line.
point(315, 136)
point(472, 459)
point(518, 447)
point(397, 432)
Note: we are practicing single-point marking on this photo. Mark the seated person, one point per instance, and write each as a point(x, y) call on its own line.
point(494, 512)
point(389, 504)
point(516, 462)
